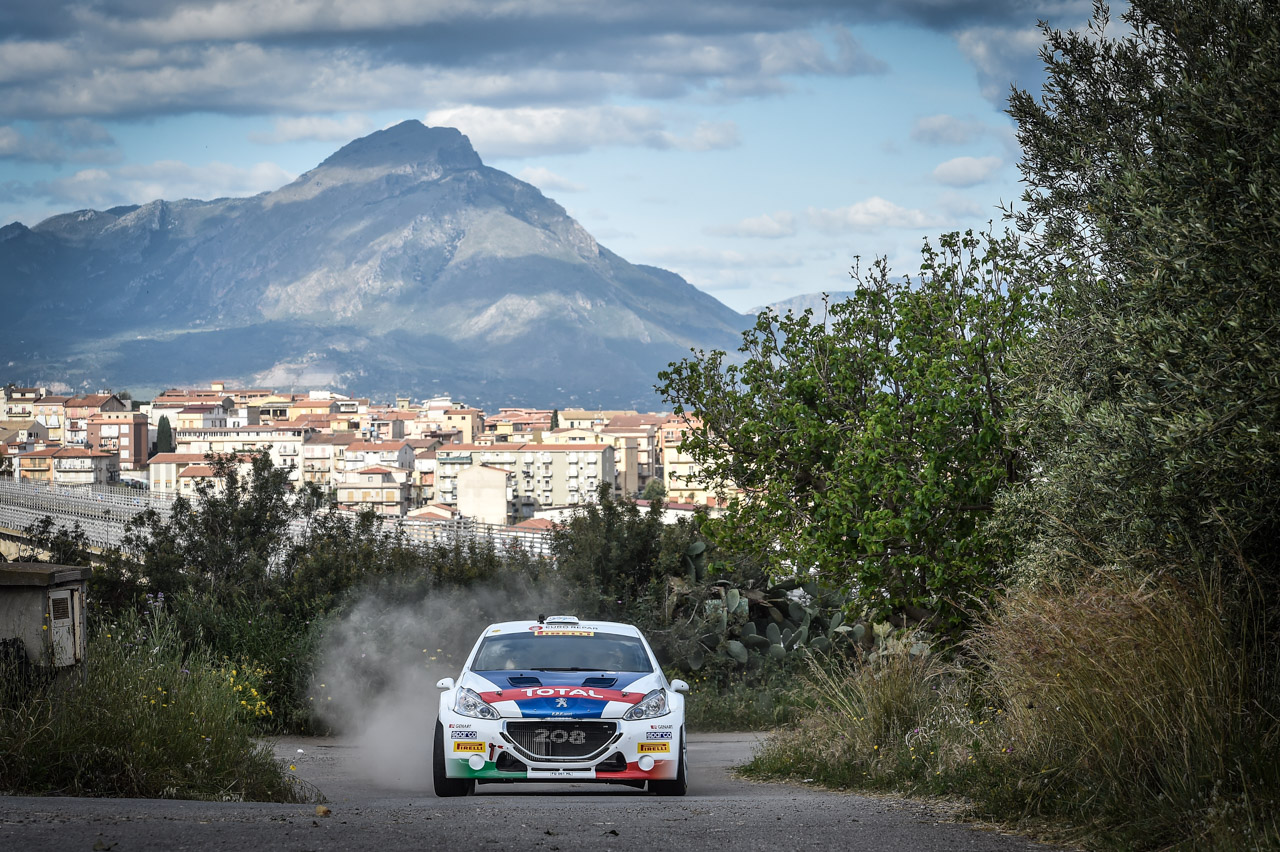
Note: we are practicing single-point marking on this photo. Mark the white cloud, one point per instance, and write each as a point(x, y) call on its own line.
point(528, 131)
point(315, 127)
point(967, 171)
point(947, 130)
point(1003, 56)
point(167, 179)
point(869, 215)
point(547, 180)
point(764, 226)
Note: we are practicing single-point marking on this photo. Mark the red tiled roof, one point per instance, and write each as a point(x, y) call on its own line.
point(66, 453)
point(377, 446)
point(176, 458)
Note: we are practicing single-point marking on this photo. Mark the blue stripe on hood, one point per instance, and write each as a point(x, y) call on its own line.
point(501, 677)
point(561, 708)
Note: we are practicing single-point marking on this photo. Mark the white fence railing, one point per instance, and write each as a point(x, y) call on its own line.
point(103, 511)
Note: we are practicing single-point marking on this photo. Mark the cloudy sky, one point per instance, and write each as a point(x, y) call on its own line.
point(753, 146)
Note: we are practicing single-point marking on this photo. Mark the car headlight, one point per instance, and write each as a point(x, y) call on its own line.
point(653, 704)
point(469, 704)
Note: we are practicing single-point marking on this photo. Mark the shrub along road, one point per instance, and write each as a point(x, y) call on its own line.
point(720, 811)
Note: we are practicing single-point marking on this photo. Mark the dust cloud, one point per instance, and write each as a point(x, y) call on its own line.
point(375, 685)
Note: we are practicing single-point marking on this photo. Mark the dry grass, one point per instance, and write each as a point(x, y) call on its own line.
point(1125, 715)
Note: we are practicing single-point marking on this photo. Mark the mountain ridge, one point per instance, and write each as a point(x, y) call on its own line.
point(401, 263)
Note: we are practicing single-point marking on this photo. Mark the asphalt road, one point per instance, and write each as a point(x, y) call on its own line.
point(379, 799)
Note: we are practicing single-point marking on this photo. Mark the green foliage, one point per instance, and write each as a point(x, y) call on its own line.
point(614, 556)
point(155, 717)
point(654, 489)
point(870, 446)
point(1150, 399)
point(164, 435)
point(64, 546)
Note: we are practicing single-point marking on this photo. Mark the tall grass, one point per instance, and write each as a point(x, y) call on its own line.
point(1125, 715)
point(1140, 707)
point(147, 720)
point(888, 722)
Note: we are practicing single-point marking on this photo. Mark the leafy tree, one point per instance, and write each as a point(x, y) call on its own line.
point(1151, 397)
point(655, 489)
point(869, 446)
point(64, 545)
point(555, 418)
point(226, 540)
point(614, 556)
point(164, 436)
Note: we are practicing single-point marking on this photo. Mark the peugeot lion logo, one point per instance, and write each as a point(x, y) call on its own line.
point(562, 702)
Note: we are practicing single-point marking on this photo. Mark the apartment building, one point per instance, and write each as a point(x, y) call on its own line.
point(359, 454)
point(124, 433)
point(283, 442)
point(164, 469)
point(543, 474)
point(324, 457)
point(523, 425)
point(468, 422)
point(24, 431)
point(69, 466)
point(180, 473)
point(625, 453)
point(75, 430)
point(51, 412)
point(683, 476)
point(200, 416)
point(647, 430)
point(385, 490)
point(19, 403)
point(583, 418)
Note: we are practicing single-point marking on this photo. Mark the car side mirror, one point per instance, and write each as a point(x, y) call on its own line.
point(445, 683)
point(679, 685)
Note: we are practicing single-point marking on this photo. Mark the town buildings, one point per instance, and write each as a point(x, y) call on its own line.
point(436, 459)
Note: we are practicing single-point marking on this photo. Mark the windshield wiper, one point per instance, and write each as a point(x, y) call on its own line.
point(565, 669)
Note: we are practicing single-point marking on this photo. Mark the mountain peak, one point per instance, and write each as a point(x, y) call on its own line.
point(408, 143)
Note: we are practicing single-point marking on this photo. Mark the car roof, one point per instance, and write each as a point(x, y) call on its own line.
point(594, 626)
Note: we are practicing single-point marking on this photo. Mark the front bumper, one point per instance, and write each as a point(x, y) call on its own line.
point(558, 749)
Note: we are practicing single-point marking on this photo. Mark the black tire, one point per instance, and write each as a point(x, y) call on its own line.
point(446, 787)
point(679, 785)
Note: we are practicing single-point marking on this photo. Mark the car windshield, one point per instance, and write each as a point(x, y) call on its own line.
point(551, 650)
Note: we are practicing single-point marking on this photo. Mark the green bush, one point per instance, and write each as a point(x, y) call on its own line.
point(153, 717)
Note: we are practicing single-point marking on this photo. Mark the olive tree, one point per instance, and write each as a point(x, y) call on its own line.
point(1149, 402)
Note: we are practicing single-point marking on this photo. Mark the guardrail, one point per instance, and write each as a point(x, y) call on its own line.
point(103, 511)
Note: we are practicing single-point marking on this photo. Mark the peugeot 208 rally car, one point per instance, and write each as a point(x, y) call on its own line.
point(560, 699)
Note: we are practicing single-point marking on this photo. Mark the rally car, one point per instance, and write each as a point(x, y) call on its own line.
point(560, 699)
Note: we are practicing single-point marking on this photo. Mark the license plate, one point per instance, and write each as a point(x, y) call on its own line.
point(561, 774)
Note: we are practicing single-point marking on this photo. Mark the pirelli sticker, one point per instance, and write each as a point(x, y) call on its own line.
point(564, 633)
point(653, 748)
point(469, 746)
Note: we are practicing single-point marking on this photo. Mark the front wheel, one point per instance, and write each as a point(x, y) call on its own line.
point(679, 785)
point(446, 787)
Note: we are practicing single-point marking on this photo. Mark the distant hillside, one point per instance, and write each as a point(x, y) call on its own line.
point(401, 264)
point(797, 304)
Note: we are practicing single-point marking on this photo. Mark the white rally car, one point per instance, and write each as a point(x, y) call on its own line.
point(560, 699)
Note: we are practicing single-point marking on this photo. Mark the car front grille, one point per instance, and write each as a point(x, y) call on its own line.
point(561, 739)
